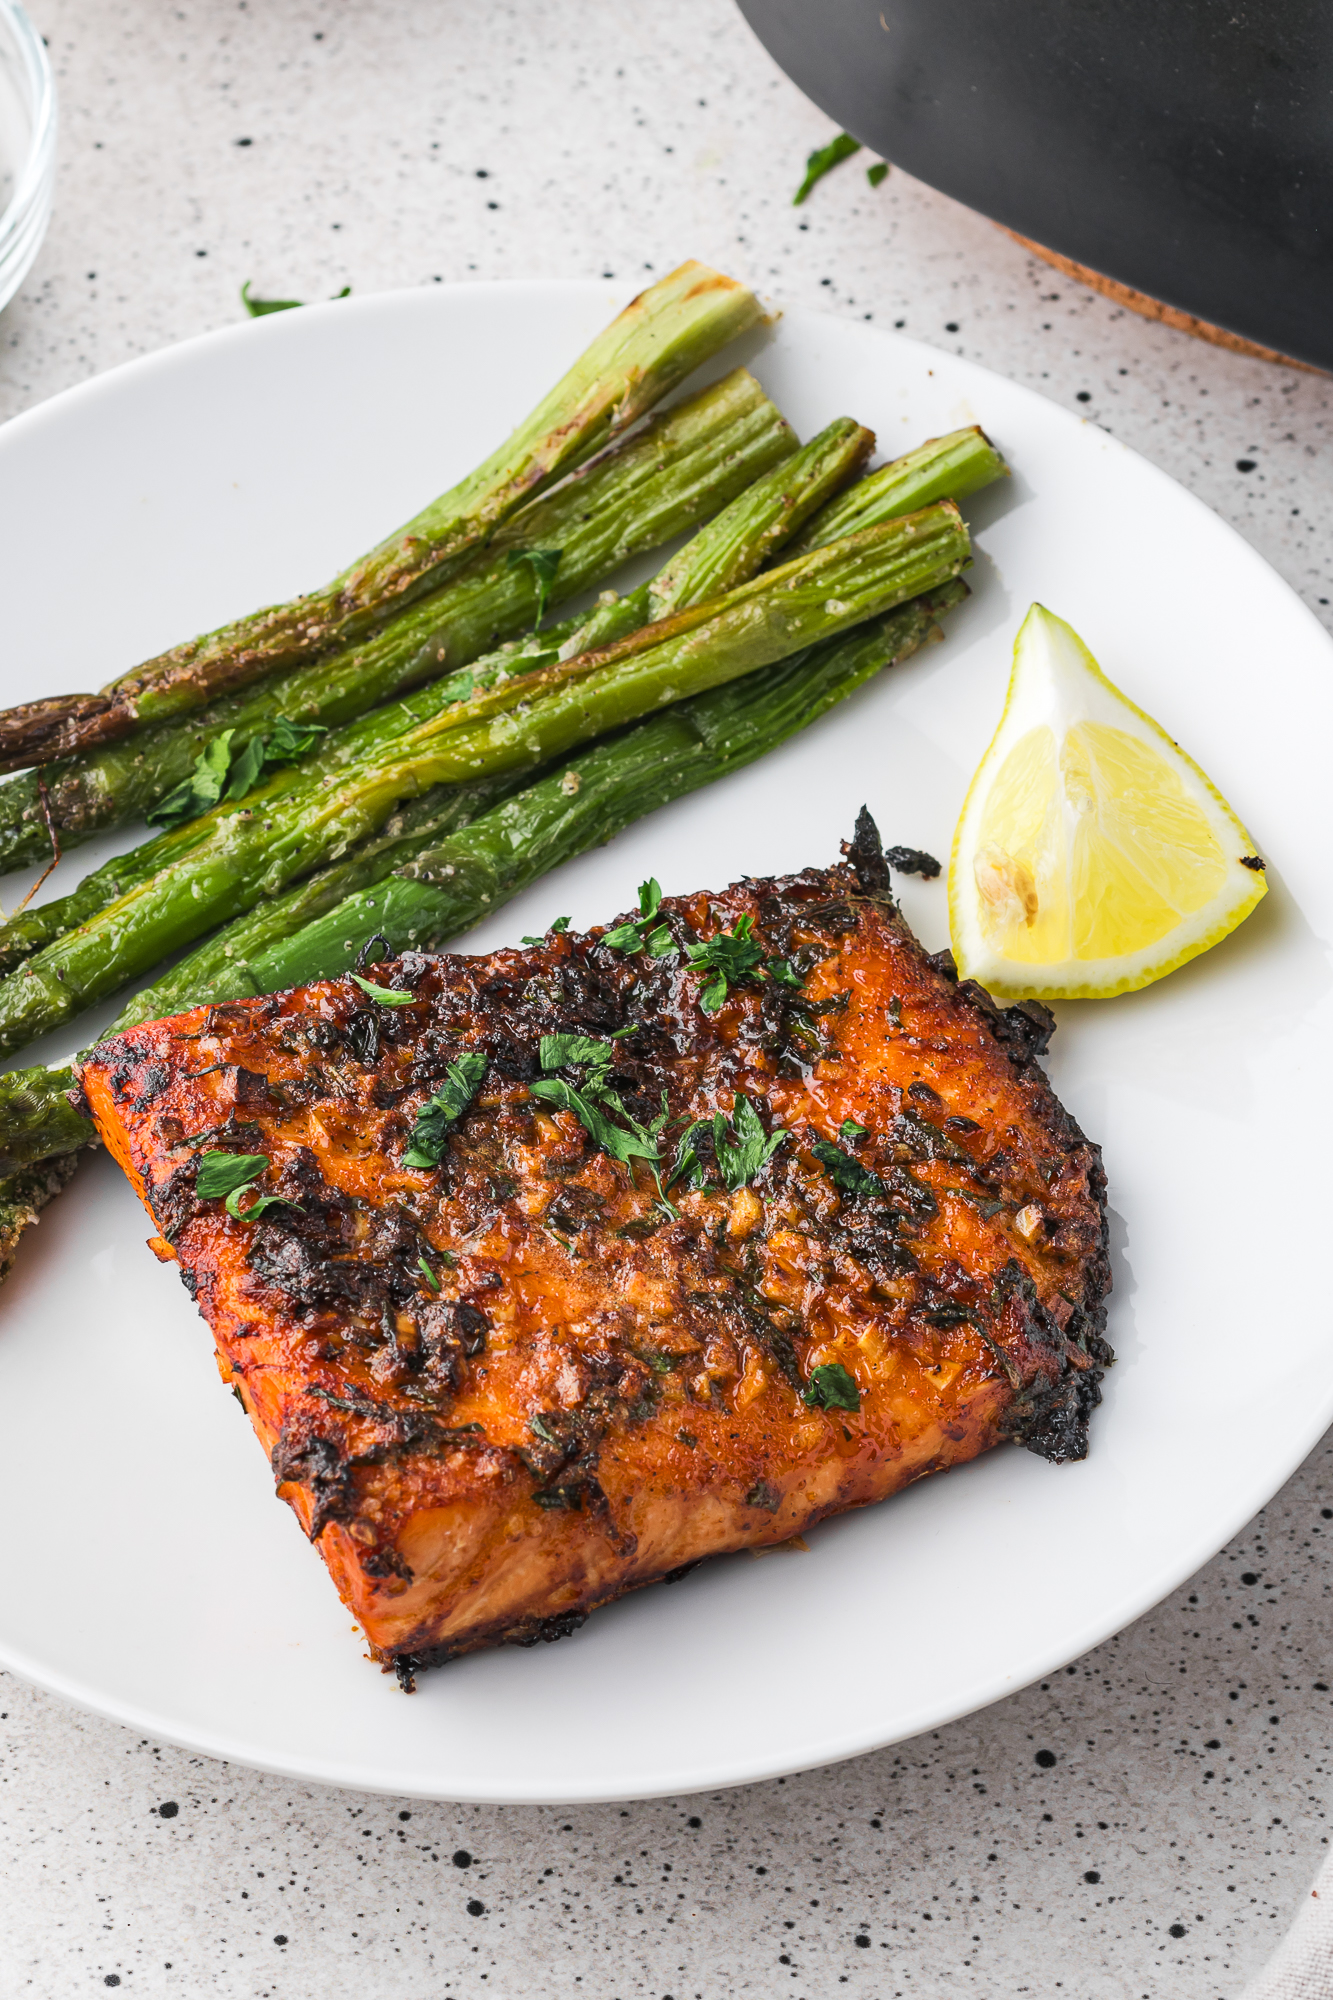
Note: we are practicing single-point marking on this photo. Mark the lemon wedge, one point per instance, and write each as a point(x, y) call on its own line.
point(1092, 856)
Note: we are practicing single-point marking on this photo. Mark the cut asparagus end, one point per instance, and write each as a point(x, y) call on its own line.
point(944, 468)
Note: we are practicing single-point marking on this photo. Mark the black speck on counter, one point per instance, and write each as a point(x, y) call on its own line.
point(1248, 1576)
point(1045, 1758)
point(280, 1938)
point(1245, 464)
point(168, 1809)
point(476, 1909)
point(1091, 1875)
point(462, 1859)
point(1176, 1930)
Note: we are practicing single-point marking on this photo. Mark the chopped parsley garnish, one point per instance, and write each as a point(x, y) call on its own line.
point(387, 996)
point(851, 1131)
point(735, 955)
point(220, 1173)
point(232, 1175)
point(594, 1100)
point(877, 174)
point(217, 773)
point(849, 1176)
point(428, 1274)
point(558, 1050)
point(440, 1113)
point(741, 1148)
point(730, 956)
point(552, 930)
point(624, 1143)
point(200, 792)
point(259, 308)
point(831, 1388)
point(823, 160)
point(641, 934)
point(543, 563)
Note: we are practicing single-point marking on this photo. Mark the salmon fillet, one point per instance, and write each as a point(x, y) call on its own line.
point(504, 1376)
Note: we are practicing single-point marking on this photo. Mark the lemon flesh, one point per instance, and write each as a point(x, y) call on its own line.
point(1092, 856)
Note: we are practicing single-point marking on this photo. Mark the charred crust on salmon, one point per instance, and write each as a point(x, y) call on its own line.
point(725, 1220)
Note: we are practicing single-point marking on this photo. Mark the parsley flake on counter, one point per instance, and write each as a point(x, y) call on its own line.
point(823, 160)
point(878, 174)
point(440, 1113)
point(260, 308)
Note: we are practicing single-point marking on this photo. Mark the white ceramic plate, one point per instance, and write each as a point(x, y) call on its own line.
point(146, 1570)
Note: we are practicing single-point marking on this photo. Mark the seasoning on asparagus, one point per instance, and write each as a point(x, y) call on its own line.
point(943, 468)
point(723, 554)
point(665, 480)
point(299, 820)
point(650, 347)
point(456, 881)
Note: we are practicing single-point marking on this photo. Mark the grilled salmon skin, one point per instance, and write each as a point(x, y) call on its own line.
point(503, 1375)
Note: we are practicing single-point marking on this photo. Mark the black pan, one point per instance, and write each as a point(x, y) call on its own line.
point(1181, 147)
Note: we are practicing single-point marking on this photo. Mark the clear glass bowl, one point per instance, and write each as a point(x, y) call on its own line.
point(27, 145)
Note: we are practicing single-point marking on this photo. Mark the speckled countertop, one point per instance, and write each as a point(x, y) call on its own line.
point(1144, 1823)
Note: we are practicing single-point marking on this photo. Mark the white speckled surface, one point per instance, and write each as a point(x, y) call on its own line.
point(1166, 1846)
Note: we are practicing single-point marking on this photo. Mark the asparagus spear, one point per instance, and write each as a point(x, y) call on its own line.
point(726, 552)
point(943, 468)
point(663, 481)
point(447, 889)
point(503, 851)
point(665, 333)
point(302, 819)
